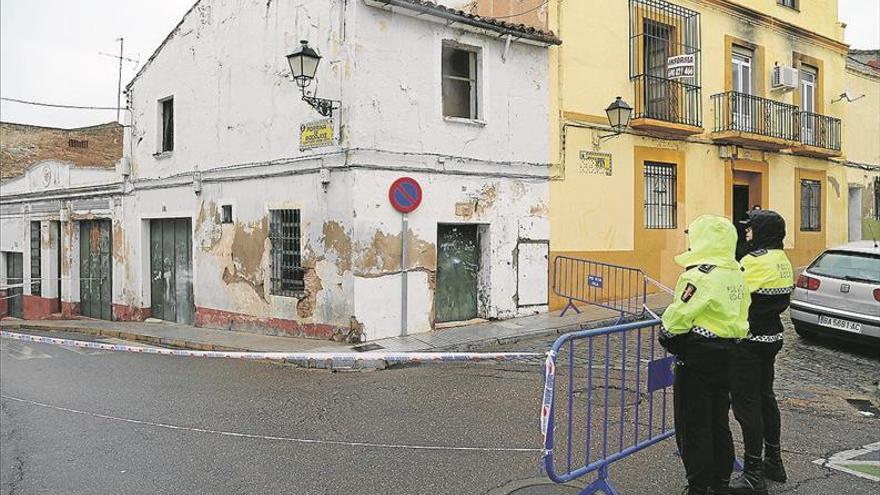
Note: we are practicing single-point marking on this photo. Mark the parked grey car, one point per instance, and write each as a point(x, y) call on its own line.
point(839, 294)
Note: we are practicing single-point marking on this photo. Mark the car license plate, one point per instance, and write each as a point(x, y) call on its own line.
point(849, 326)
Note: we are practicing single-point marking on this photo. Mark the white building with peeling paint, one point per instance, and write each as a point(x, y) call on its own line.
point(228, 221)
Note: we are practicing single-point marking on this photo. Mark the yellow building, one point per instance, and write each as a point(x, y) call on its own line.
point(862, 137)
point(736, 104)
point(744, 119)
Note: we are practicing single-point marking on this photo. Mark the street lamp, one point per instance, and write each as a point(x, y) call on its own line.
point(618, 115)
point(303, 63)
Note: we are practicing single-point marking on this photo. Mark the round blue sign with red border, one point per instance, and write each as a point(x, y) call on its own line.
point(405, 194)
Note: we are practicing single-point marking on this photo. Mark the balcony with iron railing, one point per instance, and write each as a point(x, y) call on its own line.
point(754, 121)
point(666, 106)
point(819, 136)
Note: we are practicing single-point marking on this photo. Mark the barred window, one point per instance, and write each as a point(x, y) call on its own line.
point(661, 201)
point(287, 271)
point(811, 205)
point(792, 4)
point(36, 283)
point(78, 143)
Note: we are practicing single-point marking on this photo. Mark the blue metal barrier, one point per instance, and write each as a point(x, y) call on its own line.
point(601, 424)
point(615, 287)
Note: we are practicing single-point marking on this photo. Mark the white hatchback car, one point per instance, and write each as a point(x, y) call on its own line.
point(839, 294)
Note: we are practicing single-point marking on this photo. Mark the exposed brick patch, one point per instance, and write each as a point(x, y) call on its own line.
point(39, 308)
point(123, 312)
point(69, 309)
point(227, 320)
point(24, 145)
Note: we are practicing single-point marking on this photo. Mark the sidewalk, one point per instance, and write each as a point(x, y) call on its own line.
point(463, 338)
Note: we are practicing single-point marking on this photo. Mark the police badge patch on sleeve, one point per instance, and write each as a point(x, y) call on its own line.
point(688, 292)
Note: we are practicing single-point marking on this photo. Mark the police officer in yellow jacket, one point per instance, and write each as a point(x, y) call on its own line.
point(707, 316)
point(769, 278)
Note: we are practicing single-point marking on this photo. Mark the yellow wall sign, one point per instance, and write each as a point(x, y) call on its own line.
point(316, 134)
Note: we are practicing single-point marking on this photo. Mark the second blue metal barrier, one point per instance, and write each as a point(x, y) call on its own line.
point(606, 396)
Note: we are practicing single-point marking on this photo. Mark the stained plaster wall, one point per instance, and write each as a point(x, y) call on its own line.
point(246, 154)
point(231, 262)
point(509, 209)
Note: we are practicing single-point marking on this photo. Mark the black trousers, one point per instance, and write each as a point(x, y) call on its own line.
point(701, 404)
point(754, 403)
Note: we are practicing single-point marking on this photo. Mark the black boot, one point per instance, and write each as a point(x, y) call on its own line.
point(751, 480)
point(721, 487)
point(695, 490)
point(773, 468)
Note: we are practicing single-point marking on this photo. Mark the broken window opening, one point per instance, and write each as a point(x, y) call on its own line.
point(167, 125)
point(459, 73)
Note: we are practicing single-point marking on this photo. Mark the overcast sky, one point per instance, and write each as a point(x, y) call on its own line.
point(50, 51)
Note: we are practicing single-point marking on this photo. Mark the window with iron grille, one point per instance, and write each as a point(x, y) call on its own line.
point(659, 30)
point(78, 143)
point(36, 284)
point(661, 191)
point(792, 4)
point(167, 127)
point(811, 205)
point(287, 271)
point(459, 73)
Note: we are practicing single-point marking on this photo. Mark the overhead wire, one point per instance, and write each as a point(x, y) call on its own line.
point(55, 105)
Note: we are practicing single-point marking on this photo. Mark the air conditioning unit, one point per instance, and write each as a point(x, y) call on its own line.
point(784, 78)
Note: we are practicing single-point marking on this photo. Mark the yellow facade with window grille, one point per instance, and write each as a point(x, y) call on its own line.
point(721, 142)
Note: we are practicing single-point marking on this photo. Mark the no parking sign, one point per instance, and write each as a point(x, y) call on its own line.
point(405, 194)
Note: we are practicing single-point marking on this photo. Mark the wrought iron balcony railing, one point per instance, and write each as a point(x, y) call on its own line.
point(668, 100)
point(755, 115)
point(820, 131)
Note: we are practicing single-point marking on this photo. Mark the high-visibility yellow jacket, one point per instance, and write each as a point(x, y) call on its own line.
point(711, 298)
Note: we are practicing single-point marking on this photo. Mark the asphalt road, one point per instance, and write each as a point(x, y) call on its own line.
point(83, 421)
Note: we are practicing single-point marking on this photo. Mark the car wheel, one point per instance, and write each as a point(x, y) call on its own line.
point(803, 332)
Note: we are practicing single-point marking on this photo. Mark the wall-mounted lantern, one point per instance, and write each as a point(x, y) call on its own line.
point(303, 65)
point(619, 113)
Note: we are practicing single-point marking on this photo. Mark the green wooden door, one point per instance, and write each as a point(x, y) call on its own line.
point(171, 287)
point(15, 278)
point(95, 269)
point(458, 264)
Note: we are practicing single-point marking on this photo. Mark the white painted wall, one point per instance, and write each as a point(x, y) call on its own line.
point(226, 68)
point(393, 92)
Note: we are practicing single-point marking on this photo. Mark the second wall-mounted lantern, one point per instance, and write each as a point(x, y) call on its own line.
point(304, 62)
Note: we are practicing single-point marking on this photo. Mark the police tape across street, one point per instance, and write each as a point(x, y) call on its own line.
point(325, 358)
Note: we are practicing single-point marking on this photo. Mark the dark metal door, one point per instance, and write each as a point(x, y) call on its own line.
point(95, 269)
point(14, 277)
point(458, 264)
point(171, 286)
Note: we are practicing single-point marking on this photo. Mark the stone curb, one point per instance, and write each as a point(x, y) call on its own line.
point(360, 365)
point(589, 325)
